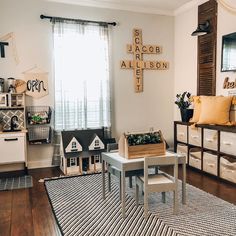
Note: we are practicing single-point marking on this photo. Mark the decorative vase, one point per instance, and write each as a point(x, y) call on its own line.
point(186, 114)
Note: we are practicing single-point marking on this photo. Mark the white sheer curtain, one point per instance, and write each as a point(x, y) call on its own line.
point(82, 84)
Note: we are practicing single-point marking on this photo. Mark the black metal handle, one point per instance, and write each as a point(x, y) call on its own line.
point(10, 139)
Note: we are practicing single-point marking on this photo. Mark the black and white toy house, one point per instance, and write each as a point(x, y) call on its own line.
point(81, 151)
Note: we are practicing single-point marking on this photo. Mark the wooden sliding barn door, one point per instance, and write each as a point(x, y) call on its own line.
point(206, 84)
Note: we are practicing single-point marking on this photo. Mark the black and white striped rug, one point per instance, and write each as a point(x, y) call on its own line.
point(80, 210)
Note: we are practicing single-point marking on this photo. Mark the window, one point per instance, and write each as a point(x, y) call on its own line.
point(82, 85)
point(73, 145)
point(96, 143)
point(97, 158)
point(73, 161)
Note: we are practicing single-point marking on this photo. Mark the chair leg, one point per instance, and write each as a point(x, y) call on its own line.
point(175, 202)
point(163, 195)
point(130, 182)
point(136, 192)
point(145, 205)
point(109, 181)
point(120, 186)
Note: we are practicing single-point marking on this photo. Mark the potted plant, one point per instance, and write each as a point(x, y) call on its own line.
point(147, 138)
point(183, 101)
point(137, 145)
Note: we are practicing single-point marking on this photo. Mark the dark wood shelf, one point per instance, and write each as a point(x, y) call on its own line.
point(209, 150)
point(226, 154)
point(217, 153)
point(225, 128)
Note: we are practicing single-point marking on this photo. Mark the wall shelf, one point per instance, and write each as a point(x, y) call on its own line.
point(39, 135)
point(38, 115)
point(38, 122)
point(12, 104)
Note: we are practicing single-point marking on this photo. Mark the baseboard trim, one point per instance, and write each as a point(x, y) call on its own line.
point(40, 164)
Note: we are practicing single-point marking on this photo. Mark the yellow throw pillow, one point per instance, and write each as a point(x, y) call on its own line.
point(197, 109)
point(215, 110)
point(234, 100)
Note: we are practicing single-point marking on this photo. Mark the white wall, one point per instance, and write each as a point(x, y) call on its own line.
point(186, 50)
point(153, 107)
point(185, 54)
point(226, 25)
point(131, 111)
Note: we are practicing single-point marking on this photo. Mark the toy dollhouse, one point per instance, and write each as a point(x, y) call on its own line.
point(81, 151)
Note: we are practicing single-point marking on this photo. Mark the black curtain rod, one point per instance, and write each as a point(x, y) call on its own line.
point(79, 20)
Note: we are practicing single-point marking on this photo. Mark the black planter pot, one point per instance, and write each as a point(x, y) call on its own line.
point(186, 114)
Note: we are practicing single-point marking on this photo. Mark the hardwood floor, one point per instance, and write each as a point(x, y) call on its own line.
point(27, 212)
point(221, 189)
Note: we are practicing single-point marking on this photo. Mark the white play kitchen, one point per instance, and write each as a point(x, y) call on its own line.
point(21, 124)
point(12, 125)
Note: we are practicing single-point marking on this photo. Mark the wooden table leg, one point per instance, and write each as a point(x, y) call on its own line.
point(184, 184)
point(103, 179)
point(123, 193)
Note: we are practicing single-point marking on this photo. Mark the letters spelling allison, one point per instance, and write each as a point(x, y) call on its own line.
point(151, 65)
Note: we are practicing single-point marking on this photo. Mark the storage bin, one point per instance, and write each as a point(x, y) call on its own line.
point(182, 133)
point(210, 139)
point(38, 115)
point(195, 136)
point(228, 142)
point(228, 168)
point(39, 135)
point(195, 158)
point(183, 149)
point(232, 113)
point(210, 163)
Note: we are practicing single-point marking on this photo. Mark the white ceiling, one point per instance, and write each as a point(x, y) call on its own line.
point(165, 7)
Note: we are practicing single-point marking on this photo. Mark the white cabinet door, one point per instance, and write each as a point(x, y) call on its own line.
point(12, 148)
